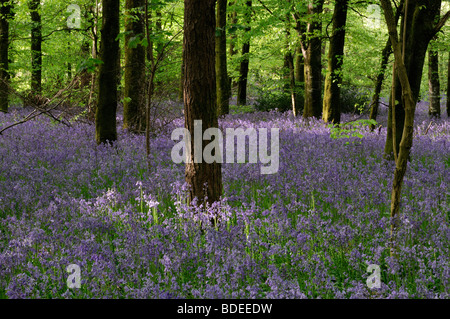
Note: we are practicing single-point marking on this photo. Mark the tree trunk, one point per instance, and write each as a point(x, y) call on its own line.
point(407, 136)
point(333, 80)
point(420, 29)
point(289, 69)
point(200, 95)
point(223, 96)
point(313, 63)
point(5, 12)
point(105, 115)
point(134, 90)
point(379, 82)
point(434, 85)
point(244, 66)
point(448, 87)
point(36, 47)
point(232, 48)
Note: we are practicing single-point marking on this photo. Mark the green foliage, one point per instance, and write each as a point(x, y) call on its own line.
point(271, 100)
point(353, 99)
point(350, 129)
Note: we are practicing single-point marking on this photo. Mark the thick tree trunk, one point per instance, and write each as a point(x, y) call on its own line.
point(313, 63)
point(5, 15)
point(434, 86)
point(333, 80)
point(134, 91)
point(223, 96)
point(244, 66)
point(36, 47)
point(105, 115)
point(200, 95)
point(420, 29)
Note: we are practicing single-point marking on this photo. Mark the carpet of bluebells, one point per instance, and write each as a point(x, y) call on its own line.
point(308, 231)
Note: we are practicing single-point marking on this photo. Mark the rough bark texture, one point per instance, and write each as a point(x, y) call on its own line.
point(333, 80)
point(420, 28)
point(200, 94)
point(105, 115)
point(134, 90)
point(5, 12)
point(434, 86)
point(244, 66)
point(36, 47)
point(223, 96)
point(313, 63)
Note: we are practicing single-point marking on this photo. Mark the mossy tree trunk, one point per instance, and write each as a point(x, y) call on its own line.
point(333, 80)
point(312, 53)
point(36, 47)
point(105, 115)
point(244, 66)
point(200, 95)
point(5, 16)
point(134, 90)
point(222, 82)
point(421, 26)
point(434, 86)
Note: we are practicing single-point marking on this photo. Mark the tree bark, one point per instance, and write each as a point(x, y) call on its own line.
point(434, 86)
point(333, 80)
point(223, 96)
point(420, 28)
point(312, 53)
point(5, 16)
point(448, 87)
point(244, 66)
point(200, 95)
point(36, 47)
point(289, 69)
point(105, 115)
point(134, 90)
point(407, 136)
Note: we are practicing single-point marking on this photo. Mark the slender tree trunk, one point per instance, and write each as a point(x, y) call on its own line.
point(434, 85)
point(223, 91)
point(289, 86)
point(448, 87)
point(420, 26)
point(134, 91)
point(232, 48)
point(105, 116)
point(407, 136)
point(333, 80)
point(313, 63)
point(36, 47)
point(244, 66)
point(5, 15)
point(379, 82)
point(200, 95)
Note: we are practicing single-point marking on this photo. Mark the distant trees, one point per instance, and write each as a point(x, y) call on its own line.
point(434, 86)
point(5, 15)
point(244, 65)
point(105, 115)
point(222, 81)
point(134, 91)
